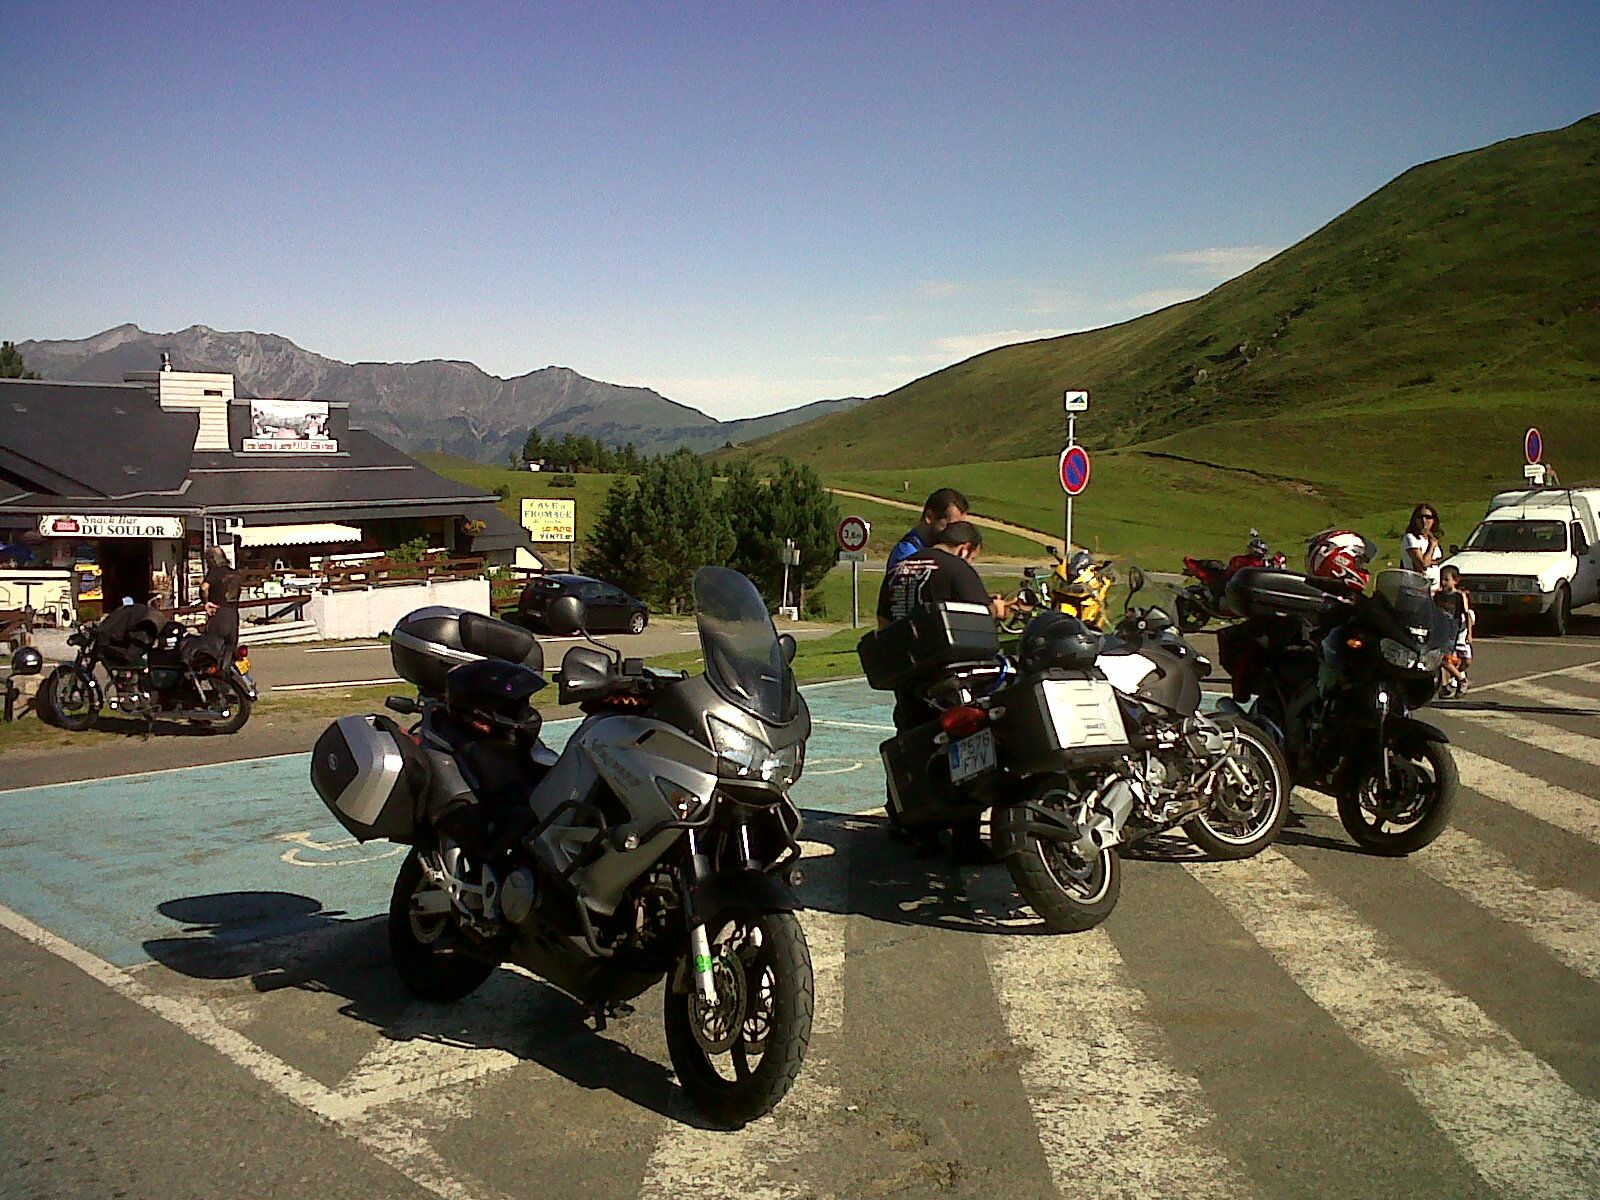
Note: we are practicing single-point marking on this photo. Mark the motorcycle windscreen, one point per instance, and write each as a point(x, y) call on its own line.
point(744, 661)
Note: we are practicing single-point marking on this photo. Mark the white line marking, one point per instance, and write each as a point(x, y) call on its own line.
point(1559, 919)
point(338, 683)
point(1576, 813)
point(390, 1140)
point(715, 1165)
point(1509, 1114)
point(1536, 734)
point(1582, 670)
point(1114, 1117)
point(343, 649)
point(34, 787)
point(1553, 697)
point(855, 725)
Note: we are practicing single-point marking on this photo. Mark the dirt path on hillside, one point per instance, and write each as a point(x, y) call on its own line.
point(1037, 535)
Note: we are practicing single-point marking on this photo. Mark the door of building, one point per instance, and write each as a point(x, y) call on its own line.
point(124, 570)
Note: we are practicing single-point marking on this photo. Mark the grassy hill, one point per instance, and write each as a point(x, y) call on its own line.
point(1397, 353)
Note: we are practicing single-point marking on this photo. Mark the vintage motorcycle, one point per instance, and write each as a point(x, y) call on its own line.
point(660, 842)
point(1077, 586)
point(1205, 600)
point(1335, 677)
point(157, 670)
point(1077, 745)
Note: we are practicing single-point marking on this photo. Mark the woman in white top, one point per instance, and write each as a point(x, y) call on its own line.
point(1421, 547)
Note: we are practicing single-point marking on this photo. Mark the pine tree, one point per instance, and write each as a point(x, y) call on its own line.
point(763, 513)
point(11, 364)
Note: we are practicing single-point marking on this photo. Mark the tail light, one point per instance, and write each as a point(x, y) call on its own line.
point(241, 652)
point(959, 722)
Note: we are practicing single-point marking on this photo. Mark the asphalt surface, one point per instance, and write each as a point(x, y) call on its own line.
point(1314, 1021)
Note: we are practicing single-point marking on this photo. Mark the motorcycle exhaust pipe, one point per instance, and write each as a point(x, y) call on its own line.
point(1107, 815)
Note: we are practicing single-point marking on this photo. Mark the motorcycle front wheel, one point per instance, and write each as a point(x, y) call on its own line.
point(737, 1058)
point(1070, 892)
point(68, 702)
point(424, 940)
point(1412, 811)
point(1244, 817)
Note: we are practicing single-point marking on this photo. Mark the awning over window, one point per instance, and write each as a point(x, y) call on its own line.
point(322, 534)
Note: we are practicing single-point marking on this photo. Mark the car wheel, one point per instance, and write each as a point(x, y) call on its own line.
point(636, 623)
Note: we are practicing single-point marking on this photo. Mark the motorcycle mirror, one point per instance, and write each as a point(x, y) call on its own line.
point(1053, 553)
point(1255, 533)
point(566, 617)
point(789, 645)
point(1136, 581)
point(1454, 549)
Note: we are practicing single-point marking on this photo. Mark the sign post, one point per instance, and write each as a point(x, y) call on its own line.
point(1074, 402)
point(853, 534)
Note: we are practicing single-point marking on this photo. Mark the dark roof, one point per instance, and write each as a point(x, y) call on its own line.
point(92, 439)
point(367, 474)
point(502, 533)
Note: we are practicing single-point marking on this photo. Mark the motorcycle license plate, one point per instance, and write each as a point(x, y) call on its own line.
point(1488, 599)
point(972, 756)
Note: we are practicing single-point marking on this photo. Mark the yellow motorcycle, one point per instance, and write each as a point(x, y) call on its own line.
point(1077, 586)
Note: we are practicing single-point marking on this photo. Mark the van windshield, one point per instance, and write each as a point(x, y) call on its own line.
point(1523, 537)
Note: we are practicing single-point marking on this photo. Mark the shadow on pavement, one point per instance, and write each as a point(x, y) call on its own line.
point(281, 940)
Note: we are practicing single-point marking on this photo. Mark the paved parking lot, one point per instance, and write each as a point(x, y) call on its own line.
point(199, 1003)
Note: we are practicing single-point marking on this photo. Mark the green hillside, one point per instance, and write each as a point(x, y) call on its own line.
point(1462, 282)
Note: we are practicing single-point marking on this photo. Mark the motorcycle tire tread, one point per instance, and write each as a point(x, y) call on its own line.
point(1215, 848)
point(1425, 831)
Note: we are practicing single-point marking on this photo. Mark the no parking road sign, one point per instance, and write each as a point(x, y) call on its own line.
point(1533, 445)
point(1074, 470)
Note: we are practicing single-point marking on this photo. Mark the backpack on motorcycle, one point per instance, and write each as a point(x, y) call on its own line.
point(925, 641)
point(372, 777)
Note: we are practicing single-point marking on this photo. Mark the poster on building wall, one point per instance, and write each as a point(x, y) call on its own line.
point(550, 521)
point(289, 426)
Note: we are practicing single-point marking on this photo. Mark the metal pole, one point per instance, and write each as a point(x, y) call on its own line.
point(855, 592)
point(1072, 440)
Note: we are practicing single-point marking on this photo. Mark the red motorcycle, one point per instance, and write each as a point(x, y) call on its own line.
point(1200, 602)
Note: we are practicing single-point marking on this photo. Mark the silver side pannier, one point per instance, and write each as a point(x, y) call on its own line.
point(372, 777)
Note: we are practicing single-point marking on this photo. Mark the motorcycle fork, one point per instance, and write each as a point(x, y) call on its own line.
point(699, 942)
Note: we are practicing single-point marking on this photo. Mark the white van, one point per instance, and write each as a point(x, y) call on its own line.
point(1535, 553)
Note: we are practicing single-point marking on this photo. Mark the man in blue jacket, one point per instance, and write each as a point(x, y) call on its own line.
point(943, 507)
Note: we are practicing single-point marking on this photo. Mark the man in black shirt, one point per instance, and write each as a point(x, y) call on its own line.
point(942, 573)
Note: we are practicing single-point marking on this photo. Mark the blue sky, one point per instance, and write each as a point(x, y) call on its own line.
point(744, 206)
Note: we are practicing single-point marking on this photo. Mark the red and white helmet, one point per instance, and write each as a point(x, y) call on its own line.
point(1342, 556)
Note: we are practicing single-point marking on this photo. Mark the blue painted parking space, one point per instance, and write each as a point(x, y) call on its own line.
point(110, 864)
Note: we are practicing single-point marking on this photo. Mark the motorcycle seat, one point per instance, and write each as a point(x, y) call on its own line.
point(1214, 564)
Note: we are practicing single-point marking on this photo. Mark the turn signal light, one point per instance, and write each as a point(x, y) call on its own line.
point(241, 652)
point(1354, 643)
point(959, 722)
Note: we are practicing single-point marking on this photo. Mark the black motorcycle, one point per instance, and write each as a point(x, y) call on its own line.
point(157, 670)
point(1336, 676)
point(660, 843)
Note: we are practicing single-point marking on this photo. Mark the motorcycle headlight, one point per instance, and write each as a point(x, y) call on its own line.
point(1394, 652)
point(749, 758)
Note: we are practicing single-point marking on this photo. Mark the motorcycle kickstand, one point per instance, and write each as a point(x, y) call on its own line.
point(601, 1010)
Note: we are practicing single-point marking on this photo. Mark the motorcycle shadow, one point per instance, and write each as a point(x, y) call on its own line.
point(891, 883)
point(133, 727)
point(279, 941)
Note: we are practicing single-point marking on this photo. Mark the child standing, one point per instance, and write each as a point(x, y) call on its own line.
point(1453, 599)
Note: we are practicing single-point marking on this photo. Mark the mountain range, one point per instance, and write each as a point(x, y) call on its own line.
point(449, 406)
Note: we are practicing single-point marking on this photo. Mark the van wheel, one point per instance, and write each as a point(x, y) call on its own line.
point(1560, 612)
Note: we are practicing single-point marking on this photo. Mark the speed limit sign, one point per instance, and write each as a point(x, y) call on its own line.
point(853, 533)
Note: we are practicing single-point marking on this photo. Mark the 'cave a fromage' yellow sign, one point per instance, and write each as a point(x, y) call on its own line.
point(550, 520)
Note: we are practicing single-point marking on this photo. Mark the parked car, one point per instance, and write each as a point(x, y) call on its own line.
point(1536, 553)
point(609, 608)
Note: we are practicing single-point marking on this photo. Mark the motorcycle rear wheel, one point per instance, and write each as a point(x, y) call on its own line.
point(67, 702)
point(1255, 820)
point(238, 706)
point(766, 996)
point(1422, 793)
point(426, 947)
point(1069, 894)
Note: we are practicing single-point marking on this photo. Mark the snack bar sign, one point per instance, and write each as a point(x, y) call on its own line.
point(550, 520)
point(110, 525)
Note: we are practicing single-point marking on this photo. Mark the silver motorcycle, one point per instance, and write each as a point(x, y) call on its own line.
point(659, 844)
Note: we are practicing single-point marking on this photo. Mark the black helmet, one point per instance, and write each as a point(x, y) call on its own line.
point(27, 661)
point(1055, 639)
point(492, 695)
